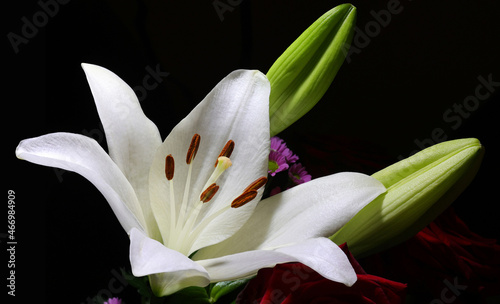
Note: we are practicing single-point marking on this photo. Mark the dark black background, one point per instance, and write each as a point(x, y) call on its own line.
point(391, 93)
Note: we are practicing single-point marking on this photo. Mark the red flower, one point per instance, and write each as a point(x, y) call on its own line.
point(296, 283)
point(445, 262)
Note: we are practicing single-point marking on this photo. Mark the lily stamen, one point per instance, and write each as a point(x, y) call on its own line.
point(169, 173)
point(169, 167)
point(209, 193)
point(257, 184)
point(244, 198)
point(193, 148)
point(190, 155)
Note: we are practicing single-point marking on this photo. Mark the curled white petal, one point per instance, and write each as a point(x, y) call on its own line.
point(83, 155)
point(170, 270)
point(320, 254)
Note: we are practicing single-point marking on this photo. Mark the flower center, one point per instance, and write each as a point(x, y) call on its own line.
point(183, 231)
point(273, 166)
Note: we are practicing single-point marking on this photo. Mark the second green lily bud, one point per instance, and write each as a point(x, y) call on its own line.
point(303, 73)
point(419, 188)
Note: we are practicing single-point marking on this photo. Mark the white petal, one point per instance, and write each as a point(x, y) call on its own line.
point(236, 109)
point(170, 270)
point(131, 137)
point(316, 208)
point(83, 155)
point(320, 254)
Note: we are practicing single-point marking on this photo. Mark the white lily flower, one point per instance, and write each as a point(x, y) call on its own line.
point(191, 205)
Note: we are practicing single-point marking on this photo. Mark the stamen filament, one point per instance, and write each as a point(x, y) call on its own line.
point(193, 215)
point(189, 225)
point(204, 223)
point(184, 205)
point(172, 209)
point(191, 153)
point(169, 174)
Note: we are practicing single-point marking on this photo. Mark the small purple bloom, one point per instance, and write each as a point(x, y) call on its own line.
point(278, 145)
point(291, 158)
point(277, 163)
point(298, 174)
point(113, 301)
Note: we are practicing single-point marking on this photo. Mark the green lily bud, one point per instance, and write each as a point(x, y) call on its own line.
point(303, 73)
point(419, 188)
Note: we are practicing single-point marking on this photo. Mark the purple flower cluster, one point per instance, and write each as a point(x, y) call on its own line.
point(298, 174)
point(113, 301)
point(281, 158)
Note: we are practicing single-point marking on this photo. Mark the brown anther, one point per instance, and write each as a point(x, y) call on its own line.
point(193, 148)
point(169, 167)
point(227, 150)
point(244, 198)
point(256, 185)
point(209, 193)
